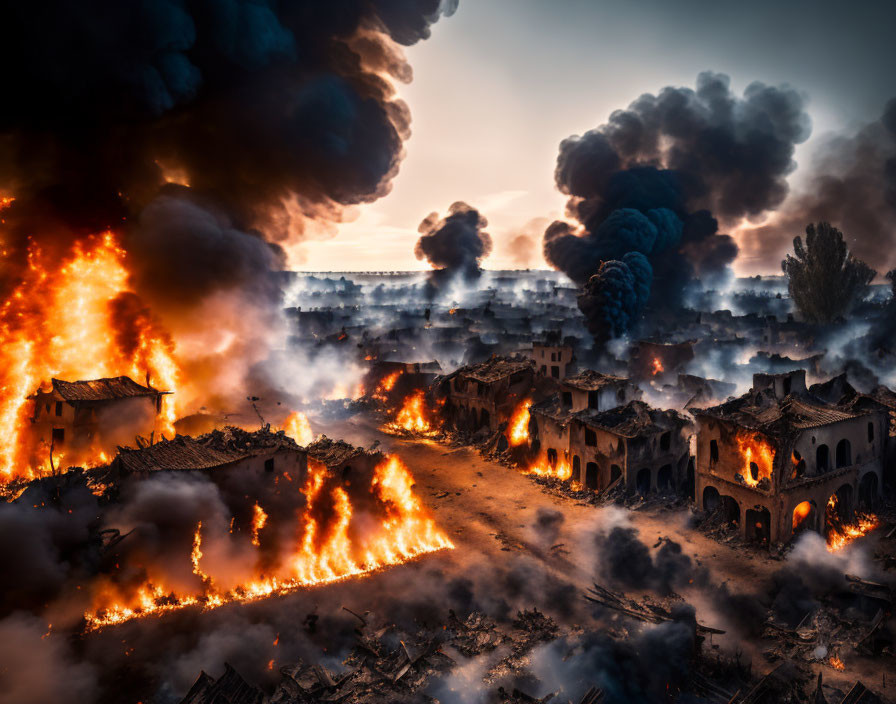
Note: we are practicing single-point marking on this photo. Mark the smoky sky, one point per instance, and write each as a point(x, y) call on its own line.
point(646, 190)
point(455, 244)
point(851, 183)
point(271, 112)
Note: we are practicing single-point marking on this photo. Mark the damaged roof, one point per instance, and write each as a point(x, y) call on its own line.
point(590, 380)
point(107, 389)
point(761, 410)
point(496, 368)
point(335, 452)
point(181, 453)
point(214, 449)
point(633, 419)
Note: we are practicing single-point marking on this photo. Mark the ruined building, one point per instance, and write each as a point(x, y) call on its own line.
point(597, 425)
point(484, 395)
point(79, 417)
point(779, 458)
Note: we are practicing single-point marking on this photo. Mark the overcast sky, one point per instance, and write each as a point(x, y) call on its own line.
point(502, 82)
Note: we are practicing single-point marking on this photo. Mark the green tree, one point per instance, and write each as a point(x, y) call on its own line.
point(824, 279)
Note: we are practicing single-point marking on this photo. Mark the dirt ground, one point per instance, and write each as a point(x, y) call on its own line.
point(488, 510)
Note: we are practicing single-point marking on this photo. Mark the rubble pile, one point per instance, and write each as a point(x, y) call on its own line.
point(388, 665)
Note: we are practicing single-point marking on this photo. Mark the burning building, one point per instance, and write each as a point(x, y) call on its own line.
point(656, 360)
point(596, 432)
point(82, 421)
point(780, 459)
point(485, 395)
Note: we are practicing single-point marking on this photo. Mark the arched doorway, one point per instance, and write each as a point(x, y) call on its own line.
point(552, 457)
point(642, 481)
point(711, 499)
point(839, 509)
point(844, 454)
point(822, 459)
point(731, 510)
point(759, 522)
point(485, 420)
point(576, 469)
point(615, 473)
point(591, 475)
point(868, 491)
point(664, 479)
point(805, 517)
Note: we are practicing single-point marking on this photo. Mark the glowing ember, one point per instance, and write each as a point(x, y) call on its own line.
point(837, 663)
point(801, 513)
point(259, 518)
point(387, 383)
point(413, 417)
point(298, 428)
point(401, 530)
point(86, 324)
point(840, 534)
point(656, 366)
point(758, 455)
point(518, 428)
point(544, 468)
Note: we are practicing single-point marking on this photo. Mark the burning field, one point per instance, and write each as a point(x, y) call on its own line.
point(332, 540)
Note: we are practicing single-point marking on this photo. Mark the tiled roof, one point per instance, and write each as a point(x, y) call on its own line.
point(181, 453)
point(333, 452)
point(495, 368)
point(101, 389)
point(632, 420)
point(762, 411)
point(590, 380)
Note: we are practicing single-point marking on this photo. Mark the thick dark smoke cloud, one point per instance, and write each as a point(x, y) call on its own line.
point(626, 561)
point(271, 112)
point(456, 244)
point(852, 186)
point(648, 181)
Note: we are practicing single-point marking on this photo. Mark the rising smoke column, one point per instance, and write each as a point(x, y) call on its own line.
point(205, 133)
point(454, 245)
point(650, 183)
point(852, 185)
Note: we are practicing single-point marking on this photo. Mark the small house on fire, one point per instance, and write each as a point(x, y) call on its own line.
point(485, 395)
point(77, 417)
point(600, 428)
point(780, 458)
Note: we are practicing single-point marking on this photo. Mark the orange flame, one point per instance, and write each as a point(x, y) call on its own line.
point(414, 417)
point(60, 321)
point(518, 428)
point(543, 468)
point(837, 663)
point(259, 519)
point(801, 513)
point(298, 428)
point(343, 548)
point(758, 455)
point(381, 393)
point(840, 534)
point(657, 366)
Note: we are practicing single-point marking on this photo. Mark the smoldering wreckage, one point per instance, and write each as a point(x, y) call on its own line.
point(178, 528)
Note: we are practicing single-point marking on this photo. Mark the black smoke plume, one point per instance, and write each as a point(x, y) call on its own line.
point(203, 133)
point(454, 245)
point(853, 186)
point(647, 183)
